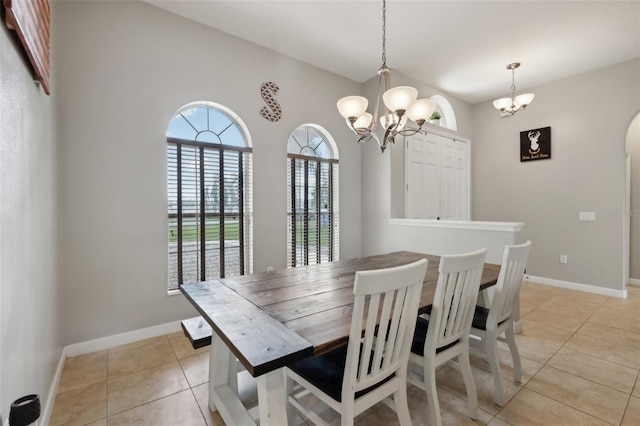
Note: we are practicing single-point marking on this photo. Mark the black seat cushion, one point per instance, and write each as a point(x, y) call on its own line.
point(420, 335)
point(327, 373)
point(480, 318)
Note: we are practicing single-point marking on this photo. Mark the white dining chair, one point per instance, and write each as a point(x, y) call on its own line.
point(489, 324)
point(367, 370)
point(445, 335)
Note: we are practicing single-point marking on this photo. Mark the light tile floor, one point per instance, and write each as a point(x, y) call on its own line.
point(580, 358)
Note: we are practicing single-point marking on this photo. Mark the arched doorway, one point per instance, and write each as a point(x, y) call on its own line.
point(631, 214)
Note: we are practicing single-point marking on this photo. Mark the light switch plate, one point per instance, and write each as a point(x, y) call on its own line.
point(587, 215)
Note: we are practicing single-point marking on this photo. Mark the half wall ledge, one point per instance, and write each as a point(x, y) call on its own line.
point(460, 224)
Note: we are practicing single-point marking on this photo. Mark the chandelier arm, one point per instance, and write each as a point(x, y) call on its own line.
point(390, 135)
point(367, 137)
point(410, 131)
point(352, 121)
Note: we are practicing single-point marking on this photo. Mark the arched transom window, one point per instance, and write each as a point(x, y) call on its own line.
point(313, 210)
point(209, 194)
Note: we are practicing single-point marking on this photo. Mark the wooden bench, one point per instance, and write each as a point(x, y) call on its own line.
point(197, 331)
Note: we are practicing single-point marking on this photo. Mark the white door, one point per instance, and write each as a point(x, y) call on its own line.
point(422, 186)
point(437, 179)
point(454, 179)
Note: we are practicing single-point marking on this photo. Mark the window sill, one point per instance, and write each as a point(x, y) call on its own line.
point(173, 292)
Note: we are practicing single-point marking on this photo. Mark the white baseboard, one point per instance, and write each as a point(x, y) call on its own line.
point(53, 390)
point(121, 339)
point(620, 294)
point(634, 281)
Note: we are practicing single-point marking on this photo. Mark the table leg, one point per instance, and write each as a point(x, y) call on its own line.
point(272, 398)
point(222, 369)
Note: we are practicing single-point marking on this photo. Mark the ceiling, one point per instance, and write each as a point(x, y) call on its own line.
point(460, 47)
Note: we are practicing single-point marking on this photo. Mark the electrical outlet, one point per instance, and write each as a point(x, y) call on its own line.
point(591, 216)
point(563, 258)
point(269, 268)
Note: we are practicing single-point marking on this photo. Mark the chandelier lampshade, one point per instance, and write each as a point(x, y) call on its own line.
point(421, 110)
point(400, 98)
point(502, 103)
point(363, 121)
point(352, 106)
point(524, 99)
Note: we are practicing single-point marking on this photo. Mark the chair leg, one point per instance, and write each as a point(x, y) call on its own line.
point(491, 349)
point(402, 406)
point(467, 376)
point(347, 417)
point(429, 375)
point(515, 355)
point(348, 412)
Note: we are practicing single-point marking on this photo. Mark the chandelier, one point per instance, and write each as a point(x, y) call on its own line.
point(515, 103)
point(400, 103)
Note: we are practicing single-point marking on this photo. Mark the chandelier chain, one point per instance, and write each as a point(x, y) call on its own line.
point(384, 33)
point(513, 82)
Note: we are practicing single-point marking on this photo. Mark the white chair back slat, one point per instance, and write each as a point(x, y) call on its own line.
point(450, 309)
point(398, 322)
point(383, 327)
point(369, 334)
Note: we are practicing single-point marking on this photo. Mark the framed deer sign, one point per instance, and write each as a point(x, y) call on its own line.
point(535, 144)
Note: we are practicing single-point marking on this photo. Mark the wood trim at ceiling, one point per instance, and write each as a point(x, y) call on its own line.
point(31, 20)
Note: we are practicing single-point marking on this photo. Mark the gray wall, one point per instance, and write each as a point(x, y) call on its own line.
point(589, 115)
point(30, 343)
point(633, 143)
point(124, 69)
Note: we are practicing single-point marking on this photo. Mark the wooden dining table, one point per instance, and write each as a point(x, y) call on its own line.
point(268, 320)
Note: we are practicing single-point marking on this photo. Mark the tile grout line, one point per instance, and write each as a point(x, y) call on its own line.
point(626, 407)
point(204, 418)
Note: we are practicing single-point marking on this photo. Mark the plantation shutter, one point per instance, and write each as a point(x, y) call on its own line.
point(313, 219)
point(210, 212)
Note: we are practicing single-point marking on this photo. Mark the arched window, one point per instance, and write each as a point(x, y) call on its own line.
point(209, 194)
point(313, 211)
point(447, 115)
